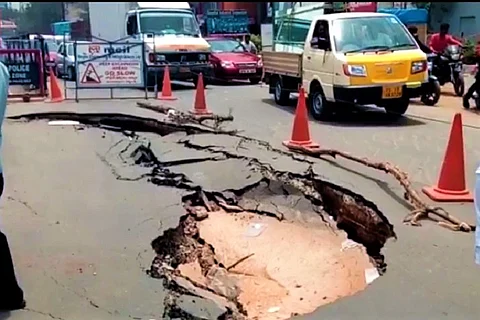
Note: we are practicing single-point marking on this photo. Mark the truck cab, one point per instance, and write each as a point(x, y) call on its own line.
point(172, 37)
point(351, 59)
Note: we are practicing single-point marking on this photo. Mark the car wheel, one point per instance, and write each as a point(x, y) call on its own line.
point(459, 86)
point(397, 108)
point(319, 106)
point(282, 97)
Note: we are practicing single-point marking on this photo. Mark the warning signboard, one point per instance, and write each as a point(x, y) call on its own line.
point(110, 65)
point(90, 75)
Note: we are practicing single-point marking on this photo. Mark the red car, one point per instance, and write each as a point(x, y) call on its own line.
point(231, 61)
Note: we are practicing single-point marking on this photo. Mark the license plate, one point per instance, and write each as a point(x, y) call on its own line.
point(392, 92)
point(248, 70)
point(184, 69)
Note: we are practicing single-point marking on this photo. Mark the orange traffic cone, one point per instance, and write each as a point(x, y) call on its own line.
point(200, 106)
point(167, 87)
point(56, 94)
point(300, 132)
point(451, 184)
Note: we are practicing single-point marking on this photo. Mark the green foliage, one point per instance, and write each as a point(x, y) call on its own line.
point(469, 52)
point(38, 17)
point(257, 41)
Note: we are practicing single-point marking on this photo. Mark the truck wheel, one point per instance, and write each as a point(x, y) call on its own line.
point(319, 106)
point(282, 97)
point(397, 108)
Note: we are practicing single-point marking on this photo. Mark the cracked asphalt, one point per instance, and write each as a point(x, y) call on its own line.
point(80, 219)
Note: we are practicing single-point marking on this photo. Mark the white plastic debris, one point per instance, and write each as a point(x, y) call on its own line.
point(349, 244)
point(63, 123)
point(371, 275)
point(255, 229)
point(273, 309)
point(170, 113)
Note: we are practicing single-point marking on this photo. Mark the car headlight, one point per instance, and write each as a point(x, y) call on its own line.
point(202, 57)
point(352, 70)
point(419, 66)
point(226, 64)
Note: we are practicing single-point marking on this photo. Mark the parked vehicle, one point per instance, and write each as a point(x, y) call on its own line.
point(169, 31)
point(449, 68)
point(372, 59)
point(65, 60)
point(231, 60)
point(432, 91)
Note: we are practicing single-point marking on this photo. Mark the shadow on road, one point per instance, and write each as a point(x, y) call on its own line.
point(4, 315)
point(356, 116)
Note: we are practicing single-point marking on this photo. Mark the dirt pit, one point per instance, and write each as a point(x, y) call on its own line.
point(269, 269)
point(289, 268)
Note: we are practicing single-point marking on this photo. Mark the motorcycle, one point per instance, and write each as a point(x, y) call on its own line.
point(432, 91)
point(450, 68)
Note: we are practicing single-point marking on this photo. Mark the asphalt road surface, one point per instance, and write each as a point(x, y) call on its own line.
point(80, 223)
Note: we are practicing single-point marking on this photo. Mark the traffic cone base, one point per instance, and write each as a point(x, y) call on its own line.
point(171, 98)
point(201, 112)
point(440, 195)
point(301, 133)
point(309, 145)
point(451, 184)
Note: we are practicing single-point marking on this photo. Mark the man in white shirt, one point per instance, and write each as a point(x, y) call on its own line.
point(249, 45)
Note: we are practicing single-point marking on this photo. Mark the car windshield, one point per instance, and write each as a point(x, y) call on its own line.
point(52, 45)
point(371, 34)
point(163, 23)
point(226, 46)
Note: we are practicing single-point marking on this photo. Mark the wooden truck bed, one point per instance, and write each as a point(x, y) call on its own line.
point(282, 63)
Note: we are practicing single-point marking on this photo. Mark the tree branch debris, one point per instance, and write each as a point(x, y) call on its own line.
point(421, 211)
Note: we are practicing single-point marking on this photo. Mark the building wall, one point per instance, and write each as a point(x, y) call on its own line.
point(462, 17)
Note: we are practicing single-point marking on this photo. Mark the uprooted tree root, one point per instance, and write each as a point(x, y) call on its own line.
point(421, 209)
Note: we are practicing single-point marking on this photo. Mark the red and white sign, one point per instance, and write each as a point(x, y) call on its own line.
point(362, 6)
point(104, 65)
point(90, 75)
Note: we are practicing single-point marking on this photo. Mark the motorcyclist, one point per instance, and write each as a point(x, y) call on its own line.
point(439, 41)
point(414, 31)
point(475, 87)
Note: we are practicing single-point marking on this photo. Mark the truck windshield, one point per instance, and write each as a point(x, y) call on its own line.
point(371, 34)
point(163, 23)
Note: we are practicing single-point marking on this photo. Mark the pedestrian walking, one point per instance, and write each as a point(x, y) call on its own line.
point(11, 295)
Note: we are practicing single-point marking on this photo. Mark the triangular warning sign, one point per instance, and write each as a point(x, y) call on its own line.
point(90, 75)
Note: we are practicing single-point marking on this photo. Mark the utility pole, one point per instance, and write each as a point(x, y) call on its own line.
point(63, 10)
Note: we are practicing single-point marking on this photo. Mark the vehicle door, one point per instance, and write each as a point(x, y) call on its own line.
point(61, 58)
point(318, 58)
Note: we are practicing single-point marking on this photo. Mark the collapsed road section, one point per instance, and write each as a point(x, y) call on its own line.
point(268, 249)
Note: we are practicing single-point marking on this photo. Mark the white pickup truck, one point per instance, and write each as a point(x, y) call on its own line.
point(350, 58)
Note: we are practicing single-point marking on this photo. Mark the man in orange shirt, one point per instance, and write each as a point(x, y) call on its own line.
point(439, 41)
